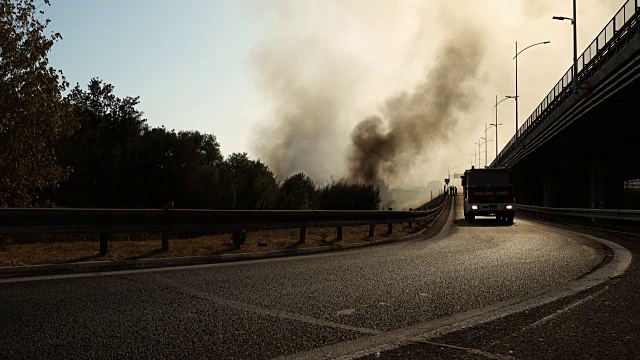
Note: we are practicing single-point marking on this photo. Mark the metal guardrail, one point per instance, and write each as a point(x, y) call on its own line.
point(106, 221)
point(587, 214)
point(617, 31)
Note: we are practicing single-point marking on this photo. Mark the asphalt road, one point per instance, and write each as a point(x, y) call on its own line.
point(289, 306)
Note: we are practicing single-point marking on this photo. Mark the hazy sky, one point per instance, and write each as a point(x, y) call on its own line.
point(303, 73)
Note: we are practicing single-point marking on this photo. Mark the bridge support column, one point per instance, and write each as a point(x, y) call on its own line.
point(606, 186)
point(548, 190)
point(553, 193)
point(529, 190)
point(520, 191)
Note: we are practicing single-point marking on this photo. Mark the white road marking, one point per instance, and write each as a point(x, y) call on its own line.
point(259, 310)
point(562, 311)
point(473, 351)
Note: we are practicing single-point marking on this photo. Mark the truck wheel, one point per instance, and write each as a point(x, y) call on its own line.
point(510, 220)
point(471, 217)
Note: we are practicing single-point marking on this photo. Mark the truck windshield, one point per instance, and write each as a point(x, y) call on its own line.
point(488, 178)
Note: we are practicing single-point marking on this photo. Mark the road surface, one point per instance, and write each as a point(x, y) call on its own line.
point(290, 307)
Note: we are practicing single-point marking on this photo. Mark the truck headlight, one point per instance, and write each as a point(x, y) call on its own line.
point(509, 207)
point(474, 207)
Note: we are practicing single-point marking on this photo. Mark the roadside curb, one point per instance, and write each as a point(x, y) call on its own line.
point(432, 329)
point(101, 266)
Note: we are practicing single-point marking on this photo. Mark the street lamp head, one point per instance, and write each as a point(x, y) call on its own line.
point(562, 18)
point(530, 46)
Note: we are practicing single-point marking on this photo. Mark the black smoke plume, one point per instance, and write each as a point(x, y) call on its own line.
point(385, 145)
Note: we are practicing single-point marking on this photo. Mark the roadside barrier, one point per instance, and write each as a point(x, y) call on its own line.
point(600, 218)
point(109, 221)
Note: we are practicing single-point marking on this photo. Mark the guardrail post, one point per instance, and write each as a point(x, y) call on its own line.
point(303, 234)
point(339, 233)
point(165, 241)
point(372, 229)
point(236, 237)
point(410, 220)
point(165, 234)
point(390, 228)
point(104, 238)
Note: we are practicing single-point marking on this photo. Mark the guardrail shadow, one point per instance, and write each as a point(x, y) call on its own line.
point(482, 222)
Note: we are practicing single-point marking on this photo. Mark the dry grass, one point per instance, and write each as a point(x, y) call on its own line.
point(257, 241)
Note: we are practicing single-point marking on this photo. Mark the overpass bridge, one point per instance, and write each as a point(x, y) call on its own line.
point(577, 150)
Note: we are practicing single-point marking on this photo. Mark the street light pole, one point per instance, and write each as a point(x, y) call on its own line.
point(575, 46)
point(496, 126)
point(496, 123)
point(485, 148)
point(575, 50)
point(486, 142)
point(449, 170)
point(516, 58)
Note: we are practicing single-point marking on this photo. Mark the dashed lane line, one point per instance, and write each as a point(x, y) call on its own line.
point(259, 310)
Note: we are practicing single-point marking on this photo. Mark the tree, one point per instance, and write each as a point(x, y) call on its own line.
point(202, 177)
point(298, 192)
point(33, 112)
point(254, 184)
point(118, 161)
point(100, 153)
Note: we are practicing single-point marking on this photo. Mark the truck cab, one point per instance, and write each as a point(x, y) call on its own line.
point(488, 192)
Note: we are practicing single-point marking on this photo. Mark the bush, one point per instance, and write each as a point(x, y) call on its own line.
point(343, 196)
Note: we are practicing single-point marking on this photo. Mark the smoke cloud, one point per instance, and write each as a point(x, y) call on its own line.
point(547, 8)
point(385, 145)
point(322, 68)
point(308, 89)
point(398, 92)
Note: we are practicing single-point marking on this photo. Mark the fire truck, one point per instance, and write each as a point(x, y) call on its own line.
point(488, 192)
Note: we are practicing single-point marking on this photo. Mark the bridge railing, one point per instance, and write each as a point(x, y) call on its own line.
point(108, 221)
point(600, 218)
point(617, 31)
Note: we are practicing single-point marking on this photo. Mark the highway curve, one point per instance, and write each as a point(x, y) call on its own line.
point(288, 306)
